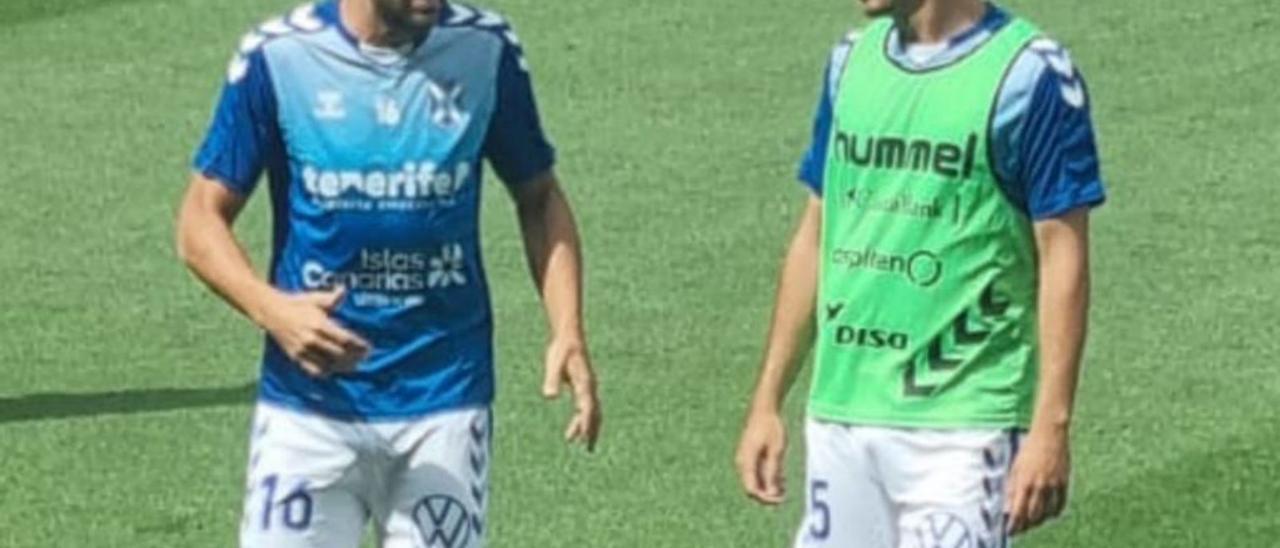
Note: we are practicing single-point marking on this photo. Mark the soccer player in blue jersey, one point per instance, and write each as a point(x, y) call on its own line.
point(941, 267)
point(370, 119)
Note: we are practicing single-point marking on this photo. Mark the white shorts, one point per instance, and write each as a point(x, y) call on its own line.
point(315, 482)
point(873, 487)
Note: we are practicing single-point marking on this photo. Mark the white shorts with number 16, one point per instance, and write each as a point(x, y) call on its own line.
point(316, 482)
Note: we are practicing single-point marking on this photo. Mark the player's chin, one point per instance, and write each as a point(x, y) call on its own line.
point(877, 8)
point(421, 20)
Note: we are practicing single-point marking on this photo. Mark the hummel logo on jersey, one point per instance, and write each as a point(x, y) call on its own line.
point(949, 160)
point(445, 107)
point(329, 105)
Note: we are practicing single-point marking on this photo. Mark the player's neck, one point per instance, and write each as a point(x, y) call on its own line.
point(935, 21)
point(363, 21)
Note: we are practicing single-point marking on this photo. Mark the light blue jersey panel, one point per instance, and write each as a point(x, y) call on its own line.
point(374, 159)
point(1042, 136)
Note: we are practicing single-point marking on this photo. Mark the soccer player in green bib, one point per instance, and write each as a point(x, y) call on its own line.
point(941, 266)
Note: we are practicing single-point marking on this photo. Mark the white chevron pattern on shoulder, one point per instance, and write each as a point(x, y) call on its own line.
point(1059, 61)
point(461, 14)
point(301, 19)
point(250, 42)
point(491, 20)
point(1073, 94)
point(839, 58)
point(275, 27)
point(304, 18)
point(511, 37)
point(237, 70)
point(1057, 57)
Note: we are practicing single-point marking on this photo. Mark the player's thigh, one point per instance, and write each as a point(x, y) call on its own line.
point(949, 486)
point(439, 496)
point(844, 503)
point(302, 483)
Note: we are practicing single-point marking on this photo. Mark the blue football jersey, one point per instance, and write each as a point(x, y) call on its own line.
point(1041, 135)
point(373, 159)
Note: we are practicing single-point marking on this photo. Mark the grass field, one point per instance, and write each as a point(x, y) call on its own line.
point(125, 389)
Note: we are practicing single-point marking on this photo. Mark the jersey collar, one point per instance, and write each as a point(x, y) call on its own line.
point(957, 45)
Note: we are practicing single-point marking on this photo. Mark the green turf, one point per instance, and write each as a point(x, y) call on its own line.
point(124, 387)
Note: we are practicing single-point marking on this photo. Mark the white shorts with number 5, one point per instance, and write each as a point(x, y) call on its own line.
point(874, 487)
point(316, 482)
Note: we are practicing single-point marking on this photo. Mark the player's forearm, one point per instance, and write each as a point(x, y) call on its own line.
point(554, 253)
point(207, 245)
point(1063, 317)
point(791, 330)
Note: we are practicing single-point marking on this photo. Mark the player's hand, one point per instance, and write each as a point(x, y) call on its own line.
point(568, 363)
point(1037, 486)
point(301, 324)
point(760, 454)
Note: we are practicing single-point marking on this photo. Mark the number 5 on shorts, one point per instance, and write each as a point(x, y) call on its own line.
point(819, 512)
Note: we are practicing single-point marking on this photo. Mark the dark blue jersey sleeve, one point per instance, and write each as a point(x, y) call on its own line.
point(1058, 153)
point(813, 165)
point(244, 132)
point(515, 144)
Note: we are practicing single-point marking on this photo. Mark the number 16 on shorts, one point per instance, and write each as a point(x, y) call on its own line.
point(278, 503)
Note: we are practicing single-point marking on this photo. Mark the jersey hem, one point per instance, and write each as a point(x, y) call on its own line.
point(298, 407)
point(212, 173)
point(1092, 200)
point(1005, 422)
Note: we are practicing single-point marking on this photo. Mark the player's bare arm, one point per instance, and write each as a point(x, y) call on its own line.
point(300, 323)
point(1038, 482)
point(554, 254)
point(763, 445)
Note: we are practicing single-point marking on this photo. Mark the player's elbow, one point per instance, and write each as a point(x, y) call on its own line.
point(183, 241)
point(538, 195)
point(205, 214)
point(191, 222)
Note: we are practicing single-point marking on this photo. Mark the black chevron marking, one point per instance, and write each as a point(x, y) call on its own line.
point(939, 362)
point(909, 386)
point(963, 335)
point(834, 310)
point(988, 518)
point(991, 305)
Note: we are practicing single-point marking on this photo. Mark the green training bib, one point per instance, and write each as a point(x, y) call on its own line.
point(927, 293)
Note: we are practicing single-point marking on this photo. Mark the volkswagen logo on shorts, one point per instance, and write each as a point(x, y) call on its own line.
point(443, 522)
point(944, 530)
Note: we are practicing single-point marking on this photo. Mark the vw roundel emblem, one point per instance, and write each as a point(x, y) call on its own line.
point(443, 522)
point(944, 530)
